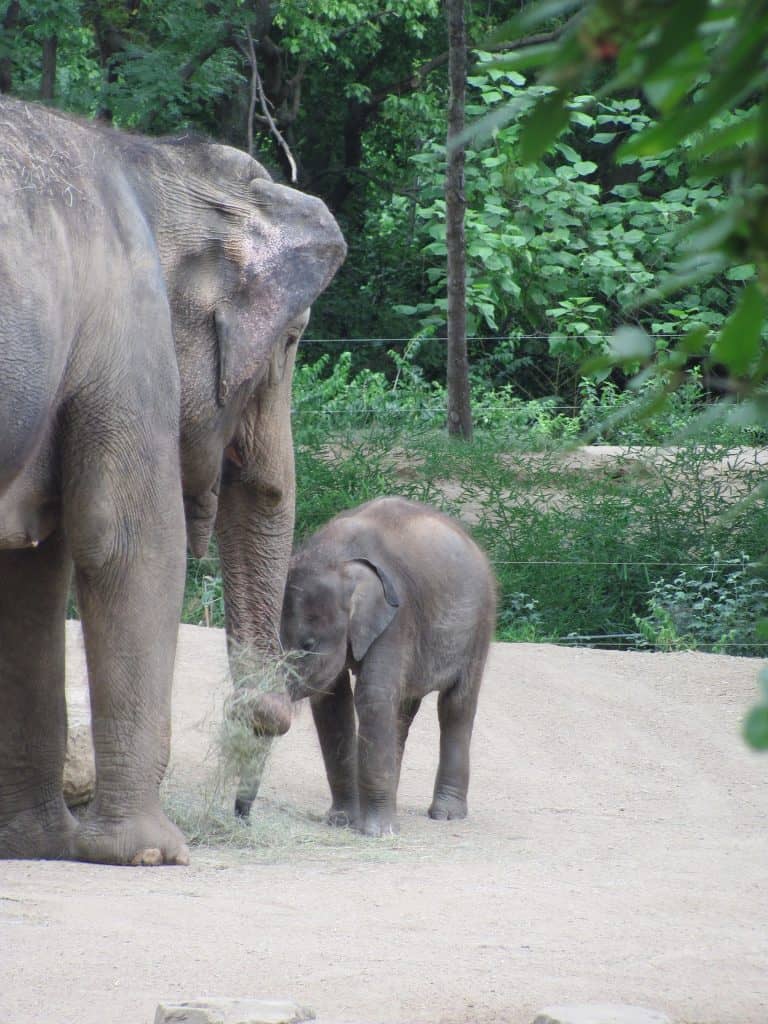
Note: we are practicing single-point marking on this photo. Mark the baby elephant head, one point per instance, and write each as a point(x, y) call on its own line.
point(331, 616)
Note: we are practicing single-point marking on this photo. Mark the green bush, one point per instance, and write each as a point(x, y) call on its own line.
point(716, 607)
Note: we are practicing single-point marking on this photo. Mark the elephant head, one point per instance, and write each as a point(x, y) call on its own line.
point(331, 612)
point(243, 258)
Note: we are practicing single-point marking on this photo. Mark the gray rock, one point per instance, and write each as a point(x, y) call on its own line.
point(79, 769)
point(232, 1011)
point(600, 1013)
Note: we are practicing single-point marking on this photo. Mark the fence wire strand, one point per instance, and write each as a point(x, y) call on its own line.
point(589, 336)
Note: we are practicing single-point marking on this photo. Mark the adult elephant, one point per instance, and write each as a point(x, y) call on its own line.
point(151, 294)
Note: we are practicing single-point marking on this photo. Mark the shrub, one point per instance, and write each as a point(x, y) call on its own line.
point(716, 606)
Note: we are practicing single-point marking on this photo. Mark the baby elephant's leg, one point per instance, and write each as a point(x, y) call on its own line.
point(334, 715)
point(377, 755)
point(456, 713)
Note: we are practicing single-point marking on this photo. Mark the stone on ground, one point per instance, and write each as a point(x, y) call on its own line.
point(79, 769)
point(600, 1013)
point(233, 1011)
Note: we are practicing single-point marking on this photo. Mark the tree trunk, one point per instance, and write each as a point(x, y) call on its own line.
point(459, 412)
point(9, 24)
point(48, 78)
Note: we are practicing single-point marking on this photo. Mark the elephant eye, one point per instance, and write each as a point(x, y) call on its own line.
point(308, 643)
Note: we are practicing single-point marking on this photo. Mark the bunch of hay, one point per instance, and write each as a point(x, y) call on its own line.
point(255, 712)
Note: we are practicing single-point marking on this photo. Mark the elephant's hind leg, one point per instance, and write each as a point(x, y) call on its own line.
point(456, 713)
point(34, 821)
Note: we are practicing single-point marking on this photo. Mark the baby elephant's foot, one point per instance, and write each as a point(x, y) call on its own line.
point(447, 807)
point(141, 840)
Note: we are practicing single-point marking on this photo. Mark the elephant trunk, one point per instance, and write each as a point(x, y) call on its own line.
point(254, 528)
point(254, 548)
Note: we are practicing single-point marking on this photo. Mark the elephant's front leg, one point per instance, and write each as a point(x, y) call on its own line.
point(125, 522)
point(334, 715)
point(377, 701)
point(34, 821)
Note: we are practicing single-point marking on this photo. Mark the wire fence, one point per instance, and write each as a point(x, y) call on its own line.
point(699, 565)
point(636, 641)
point(485, 338)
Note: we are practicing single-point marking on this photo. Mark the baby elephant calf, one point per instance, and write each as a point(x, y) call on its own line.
point(399, 595)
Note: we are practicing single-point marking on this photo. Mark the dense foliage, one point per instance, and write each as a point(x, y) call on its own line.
point(699, 63)
point(558, 251)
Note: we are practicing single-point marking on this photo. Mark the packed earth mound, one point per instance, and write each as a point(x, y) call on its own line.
point(615, 852)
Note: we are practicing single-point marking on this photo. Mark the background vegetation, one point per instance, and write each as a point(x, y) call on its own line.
point(559, 250)
point(616, 553)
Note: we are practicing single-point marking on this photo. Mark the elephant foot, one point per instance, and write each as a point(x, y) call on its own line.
point(446, 807)
point(243, 808)
point(342, 817)
point(141, 840)
point(378, 825)
point(39, 834)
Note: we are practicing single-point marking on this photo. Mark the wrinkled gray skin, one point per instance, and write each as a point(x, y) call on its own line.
point(151, 294)
point(398, 595)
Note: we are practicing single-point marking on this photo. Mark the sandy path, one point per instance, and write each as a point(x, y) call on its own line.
point(616, 851)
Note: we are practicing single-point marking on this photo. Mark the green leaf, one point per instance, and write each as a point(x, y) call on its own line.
point(739, 341)
point(695, 342)
point(741, 273)
point(585, 167)
point(735, 79)
point(528, 57)
point(533, 15)
point(678, 28)
point(568, 152)
point(720, 138)
point(630, 344)
point(756, 727)
point(480, 130)
point(542, 126)
point(762, 676)
point(603, 138)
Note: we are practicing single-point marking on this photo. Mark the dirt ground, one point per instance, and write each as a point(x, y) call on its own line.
point(616, 851)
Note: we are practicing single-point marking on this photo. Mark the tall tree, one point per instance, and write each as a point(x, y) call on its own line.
point(8, 25)
point(459, 410)
point(48, 76)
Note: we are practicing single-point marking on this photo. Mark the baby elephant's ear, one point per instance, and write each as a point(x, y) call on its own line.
point(373, 604)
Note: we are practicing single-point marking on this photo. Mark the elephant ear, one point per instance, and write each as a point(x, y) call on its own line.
point(286, 251)
point(373, 604)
